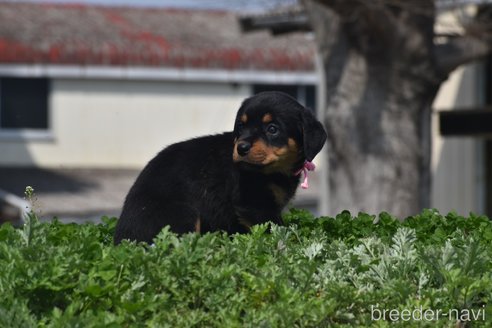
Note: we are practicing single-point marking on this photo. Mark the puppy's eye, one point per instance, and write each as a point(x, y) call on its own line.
point(272, 129)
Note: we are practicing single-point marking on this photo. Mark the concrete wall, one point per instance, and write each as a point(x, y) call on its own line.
point(109, 123)
point(457, 163)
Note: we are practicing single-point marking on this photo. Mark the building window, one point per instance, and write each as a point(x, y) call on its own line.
point(305, 94)
point(24, 103)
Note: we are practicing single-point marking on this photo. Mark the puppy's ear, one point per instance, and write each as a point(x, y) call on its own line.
point(313, 133)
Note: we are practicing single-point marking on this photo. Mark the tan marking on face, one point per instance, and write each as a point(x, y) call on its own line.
point(277, 159)
point(245, 223)
point(244, 118)
point(292, 144)
point(279, 194)
point(287, 157)
point(235, 155)
point(267, 118)
point(260, 153)
point(198, 225)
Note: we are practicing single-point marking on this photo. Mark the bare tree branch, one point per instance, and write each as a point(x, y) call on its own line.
point(458, 51)
point(422, 7)
point(385, 22)
point(360, 12)
point(279, 21)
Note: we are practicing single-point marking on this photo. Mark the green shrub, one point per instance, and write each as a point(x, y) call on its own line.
point(313, 272)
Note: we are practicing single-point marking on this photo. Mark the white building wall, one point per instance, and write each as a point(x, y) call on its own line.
point(124, 123)
point(457, 162)
point(115, 123)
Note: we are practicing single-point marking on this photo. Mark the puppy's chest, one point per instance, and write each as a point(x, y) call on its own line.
point(280, 194)
point(271, 194)
point(250, 197)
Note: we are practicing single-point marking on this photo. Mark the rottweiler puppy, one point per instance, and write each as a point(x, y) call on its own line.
point(228, 181)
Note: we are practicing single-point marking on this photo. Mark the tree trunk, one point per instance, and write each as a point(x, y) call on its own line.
point(381, 79)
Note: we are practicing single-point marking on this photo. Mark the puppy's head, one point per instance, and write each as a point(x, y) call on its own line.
point(274, 133)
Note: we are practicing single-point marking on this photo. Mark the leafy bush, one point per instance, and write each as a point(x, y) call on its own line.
point(313, 272)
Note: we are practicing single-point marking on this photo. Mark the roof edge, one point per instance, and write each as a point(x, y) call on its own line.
point(158, 74)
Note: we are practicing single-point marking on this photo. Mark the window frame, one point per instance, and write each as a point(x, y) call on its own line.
point(43, 134)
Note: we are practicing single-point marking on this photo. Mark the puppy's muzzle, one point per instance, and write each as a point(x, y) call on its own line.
point(243, 148)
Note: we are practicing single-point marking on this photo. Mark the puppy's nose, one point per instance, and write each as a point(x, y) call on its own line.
point(243, 148)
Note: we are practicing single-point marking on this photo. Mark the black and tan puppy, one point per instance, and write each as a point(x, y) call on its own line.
point(228, 181)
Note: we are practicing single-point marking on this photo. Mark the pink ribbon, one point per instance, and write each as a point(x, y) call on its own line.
point(308, 166)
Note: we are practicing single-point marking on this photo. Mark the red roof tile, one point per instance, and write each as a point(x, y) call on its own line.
point(177, 38)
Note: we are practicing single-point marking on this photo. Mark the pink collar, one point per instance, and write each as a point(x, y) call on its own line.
point(308, 166)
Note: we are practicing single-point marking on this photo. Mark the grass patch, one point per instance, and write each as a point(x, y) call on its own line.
point(313, 272)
